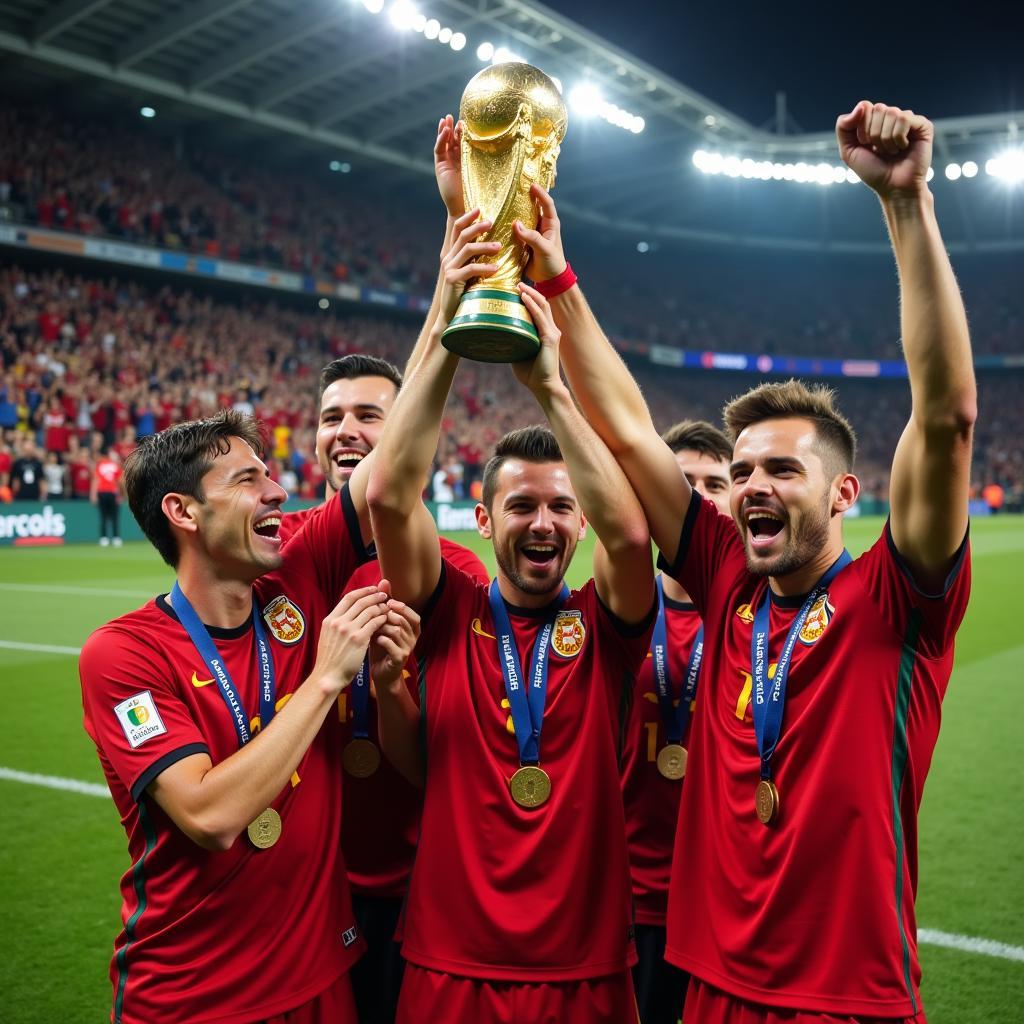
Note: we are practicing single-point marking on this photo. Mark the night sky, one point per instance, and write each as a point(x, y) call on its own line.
point(942, 60)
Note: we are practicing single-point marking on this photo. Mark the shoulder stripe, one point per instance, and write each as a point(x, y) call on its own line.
point(904, 683)
point(139, 884)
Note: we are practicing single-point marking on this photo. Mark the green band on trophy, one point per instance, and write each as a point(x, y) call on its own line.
point(513, 122)
point(492, 330)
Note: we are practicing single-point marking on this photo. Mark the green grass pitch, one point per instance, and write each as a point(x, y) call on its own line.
point(62, 852)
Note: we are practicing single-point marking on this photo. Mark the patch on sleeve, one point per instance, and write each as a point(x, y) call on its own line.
point(139, 718)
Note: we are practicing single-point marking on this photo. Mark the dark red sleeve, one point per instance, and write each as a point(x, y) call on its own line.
point(125, 680)
point(464, 560)
point(624, 644)
point(710, 551)
point(328, 548)
point(451, 607)
point(933, 618)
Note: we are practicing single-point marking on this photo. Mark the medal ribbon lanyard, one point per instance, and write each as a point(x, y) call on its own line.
point(674, 719)
point(527, 705)
point(361, 701)
point(202, 642)
point(768, 707)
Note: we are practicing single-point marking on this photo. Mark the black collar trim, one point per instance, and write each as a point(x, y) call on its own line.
point(216, 632)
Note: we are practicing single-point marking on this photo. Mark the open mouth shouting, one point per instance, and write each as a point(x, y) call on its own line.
point(540, 554)
point(764, 525)
point(346, 459)
point(268, 527)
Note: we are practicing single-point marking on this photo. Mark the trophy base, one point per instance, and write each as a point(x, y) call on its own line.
point(492, 326)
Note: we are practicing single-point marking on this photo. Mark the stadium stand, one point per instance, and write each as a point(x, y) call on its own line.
point(94, 362)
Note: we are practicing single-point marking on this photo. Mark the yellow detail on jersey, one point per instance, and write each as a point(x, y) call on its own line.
point(745, 612)
point(509, 724)
point(295, 779)
point(743, 702)
point(477, 627)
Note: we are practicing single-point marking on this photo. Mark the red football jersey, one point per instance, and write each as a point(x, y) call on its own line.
point(219, 936)
point(499, 891)
point(381, 822)
point(815, 912)
point(652, 801)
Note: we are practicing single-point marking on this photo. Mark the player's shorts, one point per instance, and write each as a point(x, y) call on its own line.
point(708, 1005)
point(433, 996)
point(335, 1005)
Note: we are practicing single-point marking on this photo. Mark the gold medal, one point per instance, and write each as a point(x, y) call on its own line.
point(265, 829)
point(361, 758)
point(766, 800)
point(672, 761)
point(530, 786)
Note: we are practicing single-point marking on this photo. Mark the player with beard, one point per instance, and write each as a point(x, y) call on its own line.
point(380, 823)
point(823, 677)
point(523, 686)
point(658, 737)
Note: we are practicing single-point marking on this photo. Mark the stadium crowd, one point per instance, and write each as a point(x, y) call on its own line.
point(95, 178)
point(90, 364)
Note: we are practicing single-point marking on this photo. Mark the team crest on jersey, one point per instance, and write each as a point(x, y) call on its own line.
point(817, 620)
point(568, 634)
point(285, 620)
point(746, 613)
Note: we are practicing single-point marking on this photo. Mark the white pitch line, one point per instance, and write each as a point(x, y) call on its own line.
point(49, 588)
point(54, 782)
point(970, 944)
point(14, 645)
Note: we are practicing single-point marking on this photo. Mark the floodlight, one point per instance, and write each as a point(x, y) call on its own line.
point(930, 174)
point(710, 120)
point(952, 171)
point(458, 41)
point(851, 176)
point(643, 247)
point(401, 14)
point(335, 165)
point(970, 169)
point(485, 51)
point(714, 163)
point(823, 174)
point(1008, 166)
point(700, 159)
point(324, 304)
point(839, 175)
point(374, 6)
point(586, 99)
point(638, 125)
point(778, 171)
point(419, 23)
point(444, 36)
point(432, 28)
point(731, 166)
point(147, 112)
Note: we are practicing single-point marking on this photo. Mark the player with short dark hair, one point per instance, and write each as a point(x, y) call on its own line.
point(381, 821)
point(823, 676)
point(523, 687)
point(211, 711)
point(658, 738)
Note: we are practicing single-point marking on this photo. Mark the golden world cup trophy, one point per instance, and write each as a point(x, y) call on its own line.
point(513, 123)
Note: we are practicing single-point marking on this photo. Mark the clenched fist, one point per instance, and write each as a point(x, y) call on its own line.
point(889, 149)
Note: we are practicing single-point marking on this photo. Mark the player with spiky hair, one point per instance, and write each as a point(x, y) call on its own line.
point(823, 676)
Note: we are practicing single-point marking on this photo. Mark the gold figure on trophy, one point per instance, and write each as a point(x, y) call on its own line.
point(513, 122)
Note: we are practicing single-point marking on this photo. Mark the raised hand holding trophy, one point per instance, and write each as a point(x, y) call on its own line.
point(513, 122)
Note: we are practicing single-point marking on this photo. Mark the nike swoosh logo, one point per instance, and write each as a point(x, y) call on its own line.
point(480, 631)
point(198, 683)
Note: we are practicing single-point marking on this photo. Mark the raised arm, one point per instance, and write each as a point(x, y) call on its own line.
point(606, 391)
point(448, 172)
point(404, 530)
point(890, 150)
point(624, 575)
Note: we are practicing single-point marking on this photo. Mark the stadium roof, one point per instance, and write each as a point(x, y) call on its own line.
point(366, 80)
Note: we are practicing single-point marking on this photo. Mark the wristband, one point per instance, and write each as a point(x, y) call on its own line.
point(556, 285)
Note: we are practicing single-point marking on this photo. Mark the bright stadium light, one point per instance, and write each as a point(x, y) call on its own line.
point(444, 36)
point(851, 176)
point(1008, 166)
point(458, 41)
point(585, 99)
point(930, 174)
point(401, 14)
point(432, 28)
point(643, 247)
point(419, 23)
point(324, 303)
point(484, 52)
point(147, 112)
point(953, 171)
point(970, 169)
point(374, 6)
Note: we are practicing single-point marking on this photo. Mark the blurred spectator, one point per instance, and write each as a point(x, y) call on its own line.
point(107, 492)
point(27, 480)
